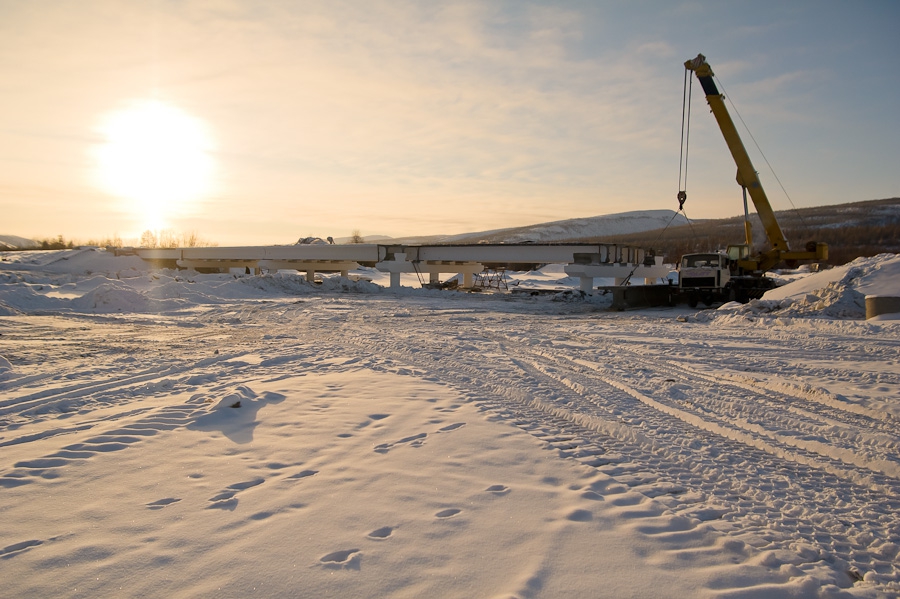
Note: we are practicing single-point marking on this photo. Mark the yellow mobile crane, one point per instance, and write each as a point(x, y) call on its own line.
point(738, 274)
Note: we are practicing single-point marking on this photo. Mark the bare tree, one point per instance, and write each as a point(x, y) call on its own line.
point(194, 240)
point(168, 239)
point(190, 240)
point(148, 239)
point(356, 237)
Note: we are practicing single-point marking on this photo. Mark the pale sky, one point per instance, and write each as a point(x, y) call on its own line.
point(271, 121)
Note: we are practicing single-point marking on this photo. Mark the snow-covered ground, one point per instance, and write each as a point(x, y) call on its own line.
point(171, 434)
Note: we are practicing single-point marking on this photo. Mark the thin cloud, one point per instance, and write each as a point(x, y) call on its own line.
point(422, 110)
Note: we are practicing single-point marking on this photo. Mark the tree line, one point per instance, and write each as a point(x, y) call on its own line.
point(166, 238)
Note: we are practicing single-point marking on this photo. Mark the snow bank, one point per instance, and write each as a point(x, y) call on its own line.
point(837, 293)
point(96, 281)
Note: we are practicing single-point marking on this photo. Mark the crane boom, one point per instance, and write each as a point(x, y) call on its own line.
point(748, 179)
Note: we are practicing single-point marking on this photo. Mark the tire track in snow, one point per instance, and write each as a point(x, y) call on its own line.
point(820, 425)
point(47, 399)
point(770, 492)
point(762, 421)
point(595, 416)
point(781, 394)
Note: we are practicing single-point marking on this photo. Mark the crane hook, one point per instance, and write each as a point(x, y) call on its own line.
point(682, 197)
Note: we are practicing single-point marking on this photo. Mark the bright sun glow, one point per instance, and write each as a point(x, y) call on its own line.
point(158, 157)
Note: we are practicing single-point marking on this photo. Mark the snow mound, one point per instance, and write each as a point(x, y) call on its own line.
point(26, 298)
point(296, 284)
point(7, 310)
point(111, 297)
point(837, 293)
point(84, 261)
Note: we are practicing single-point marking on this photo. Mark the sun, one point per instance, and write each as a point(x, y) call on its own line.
point(158, 157)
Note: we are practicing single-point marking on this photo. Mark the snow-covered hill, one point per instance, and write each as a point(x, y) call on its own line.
point(593, 227)
point(14, 242)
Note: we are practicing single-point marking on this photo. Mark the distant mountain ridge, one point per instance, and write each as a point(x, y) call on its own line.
point(852, 230)
point(592, 227)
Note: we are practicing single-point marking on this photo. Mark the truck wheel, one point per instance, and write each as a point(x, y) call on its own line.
point(693, 300)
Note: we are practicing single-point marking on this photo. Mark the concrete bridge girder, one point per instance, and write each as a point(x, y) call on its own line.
point(618, 272)
point(434, 268)
point(310, 267)
point(253, 265)
point(585, 261)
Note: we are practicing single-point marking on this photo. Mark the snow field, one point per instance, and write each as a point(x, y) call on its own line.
point(175, 434)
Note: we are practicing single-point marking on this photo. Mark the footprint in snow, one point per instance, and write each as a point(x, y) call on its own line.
point(580, 516)
point(345, 559)
point(498, 489)
point(17, 548)
point(413, 441)
point(448, 513)
point(9, 482)
point(226, 500)
point(451, 427)
point(382, 533)
point(161, 503)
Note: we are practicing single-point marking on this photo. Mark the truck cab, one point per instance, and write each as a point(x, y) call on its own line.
point(705, 276)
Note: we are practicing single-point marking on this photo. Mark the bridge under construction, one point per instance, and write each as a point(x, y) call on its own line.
point(622, 263)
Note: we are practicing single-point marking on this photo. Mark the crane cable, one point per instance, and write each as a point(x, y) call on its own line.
point(627, 280)
point(682, 159)
point(685, 136)
point(686, 95)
